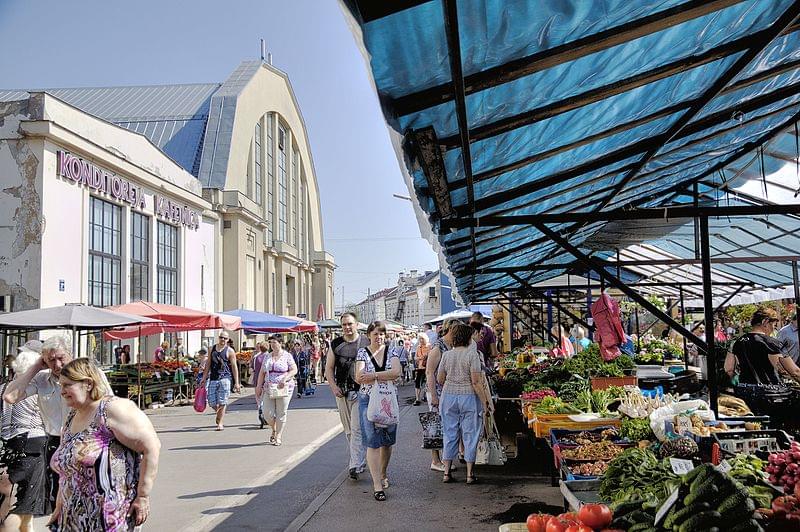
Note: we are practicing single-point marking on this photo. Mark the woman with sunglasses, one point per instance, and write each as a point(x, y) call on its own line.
point(757, 357)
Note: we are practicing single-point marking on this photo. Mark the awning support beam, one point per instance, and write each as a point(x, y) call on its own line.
point(599, 268)
point(555, 302)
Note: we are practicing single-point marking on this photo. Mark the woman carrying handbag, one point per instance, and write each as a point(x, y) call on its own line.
point(275, 386)
point(376, 369)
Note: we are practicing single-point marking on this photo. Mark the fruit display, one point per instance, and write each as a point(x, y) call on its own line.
point(244, 357)
point(636, 429)
point(591, 517)
point(638, 474)
point(589, 469)
point(636, 405)
point(538, 395)
point(784, 467)
point(603, 450)
point(679, 448)
point(586, 436)
point(706, 500)
point(749, 470)
point(554, 405)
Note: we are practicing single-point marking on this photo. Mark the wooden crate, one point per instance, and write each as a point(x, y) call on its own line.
point(601, 383)
point(542, 424)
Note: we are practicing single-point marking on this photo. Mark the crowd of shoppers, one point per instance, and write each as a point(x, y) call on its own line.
point(89, 459)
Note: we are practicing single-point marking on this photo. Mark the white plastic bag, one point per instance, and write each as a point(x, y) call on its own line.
point(667, 413)
point(383, 409)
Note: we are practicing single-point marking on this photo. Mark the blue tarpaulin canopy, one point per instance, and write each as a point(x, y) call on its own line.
point(263, 322)
point(514, 108)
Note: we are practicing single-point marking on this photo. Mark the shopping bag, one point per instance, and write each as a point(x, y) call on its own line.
point(200, 400)
point(431, 430)
point(496, 455)
point(482, 455)
point(273, 392)
point(383, 409)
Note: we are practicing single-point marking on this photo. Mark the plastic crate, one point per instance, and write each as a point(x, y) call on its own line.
point(750, 441)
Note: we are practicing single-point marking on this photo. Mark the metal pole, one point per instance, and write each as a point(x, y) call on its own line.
point(549, 314)
point(560, 326)
point(589, 302)
point(708, 308)
point(638, 339)
point(683, 322)
point(796, 295)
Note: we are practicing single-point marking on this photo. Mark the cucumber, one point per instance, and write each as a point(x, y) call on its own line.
point(747, 526)
point(639, 516)
point(682, 515)
point(628, 507)
point(700, 521)
point(621, 523)
point(640, 527)
point(706, 492)
point(697, 472)
point(732, 502)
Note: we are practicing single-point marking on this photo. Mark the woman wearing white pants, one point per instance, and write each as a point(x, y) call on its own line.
point(463, 400)
point(276, 386)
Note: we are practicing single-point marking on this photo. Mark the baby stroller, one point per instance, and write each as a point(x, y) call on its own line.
point(305, 386)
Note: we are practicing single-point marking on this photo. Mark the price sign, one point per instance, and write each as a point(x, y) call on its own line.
point(668, 504)
point(680, 466)
point(724, 467)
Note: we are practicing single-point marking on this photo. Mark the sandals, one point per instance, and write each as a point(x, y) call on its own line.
point(379, 495)
point(447, 478)
point(472, 479)
point(272, 439)
point(278, 442)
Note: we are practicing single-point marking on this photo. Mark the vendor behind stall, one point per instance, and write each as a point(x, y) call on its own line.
point(757, 357)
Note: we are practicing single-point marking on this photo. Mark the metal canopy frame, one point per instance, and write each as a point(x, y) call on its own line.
point(505, 210)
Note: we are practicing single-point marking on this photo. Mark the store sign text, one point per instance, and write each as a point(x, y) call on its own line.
point(89, 175)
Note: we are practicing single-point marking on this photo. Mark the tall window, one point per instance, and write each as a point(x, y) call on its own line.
point(301, 211)
point(295, 157)
point(259, 175)
point(270, 175)
point(274, 294)
point(140, 257)
point(105, 255)
point(167, 274)
point(282, 184)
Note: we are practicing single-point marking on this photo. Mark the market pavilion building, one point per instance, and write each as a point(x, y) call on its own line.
point(200, 195)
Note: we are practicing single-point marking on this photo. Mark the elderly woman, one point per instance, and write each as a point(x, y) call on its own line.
point(376, 363)
point(276, 385)
point(434, 393)
point(23, 431)
point(108, 457)
point(463, 399)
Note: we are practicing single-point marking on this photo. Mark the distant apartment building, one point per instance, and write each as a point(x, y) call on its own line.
point(416, 299)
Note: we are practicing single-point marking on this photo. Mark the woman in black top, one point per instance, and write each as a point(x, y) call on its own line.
point(757, 355)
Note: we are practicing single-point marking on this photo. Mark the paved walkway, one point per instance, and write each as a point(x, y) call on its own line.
point(417, 498)
point(232, 480)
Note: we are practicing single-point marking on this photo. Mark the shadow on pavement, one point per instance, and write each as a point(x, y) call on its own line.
point(276, 505)
point(216, 447)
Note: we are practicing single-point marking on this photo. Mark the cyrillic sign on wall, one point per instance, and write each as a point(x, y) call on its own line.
point(101, 181)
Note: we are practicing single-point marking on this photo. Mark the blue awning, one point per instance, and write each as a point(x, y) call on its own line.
point(582, 107)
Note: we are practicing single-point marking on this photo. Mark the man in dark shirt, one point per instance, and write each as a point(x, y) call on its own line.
point(758, 355)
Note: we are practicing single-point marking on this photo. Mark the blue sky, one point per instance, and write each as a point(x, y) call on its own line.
point(373, 236)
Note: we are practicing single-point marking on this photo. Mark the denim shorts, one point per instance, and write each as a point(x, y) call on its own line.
point(219, 392)
point(374, 437)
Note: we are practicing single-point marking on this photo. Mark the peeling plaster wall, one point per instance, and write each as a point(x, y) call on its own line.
point(21, 221)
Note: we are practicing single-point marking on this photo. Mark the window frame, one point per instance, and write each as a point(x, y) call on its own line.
point(167, 294)
point(141, 222)
point(110, 261)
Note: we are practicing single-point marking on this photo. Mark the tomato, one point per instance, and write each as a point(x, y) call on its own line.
point(595, 515)
point(579, 528)
point(556, 524)
point(537, 522)
point(570, 517)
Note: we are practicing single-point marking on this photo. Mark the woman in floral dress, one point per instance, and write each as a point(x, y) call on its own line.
point(107, 460)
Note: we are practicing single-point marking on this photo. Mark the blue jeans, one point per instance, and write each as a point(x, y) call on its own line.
point(461, 420)
point(374, 437)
